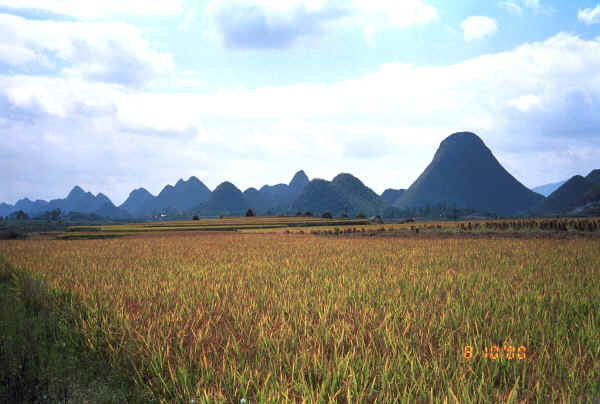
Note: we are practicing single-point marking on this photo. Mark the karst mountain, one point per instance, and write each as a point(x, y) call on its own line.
point(463, 174)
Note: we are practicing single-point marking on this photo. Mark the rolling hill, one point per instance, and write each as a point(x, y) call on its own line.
point(392, 195)
point(226, 199)
point(279, 197)
point(344, 194)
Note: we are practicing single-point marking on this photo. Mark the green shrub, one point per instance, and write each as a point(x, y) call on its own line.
point(11, 235)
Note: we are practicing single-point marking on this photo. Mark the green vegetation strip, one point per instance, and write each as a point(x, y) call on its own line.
point(215, 226)
point(90, 236)
point(45, 359)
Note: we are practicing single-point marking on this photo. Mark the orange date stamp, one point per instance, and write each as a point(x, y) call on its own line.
point(496, 352)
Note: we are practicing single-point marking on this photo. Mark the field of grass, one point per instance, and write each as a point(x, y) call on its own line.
point(223, 224)
point(566, 226)
point(314, 225)
point(274, 317)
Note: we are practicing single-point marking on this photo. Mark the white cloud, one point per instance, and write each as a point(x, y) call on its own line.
point(107, 52)
point(94, 8)
point(398, 14)
point(477, 27)
point(517, 6)
point(590, 16)
point(537, 6)
point(525, 103)
point(511, 7)
point(16, 55)
point(528, 104)
point(276, 24)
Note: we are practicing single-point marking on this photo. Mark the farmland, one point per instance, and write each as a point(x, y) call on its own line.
point(270, 314)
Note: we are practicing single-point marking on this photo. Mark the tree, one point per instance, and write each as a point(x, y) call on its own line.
point(55, 214)
point(327, 215)
point(308, 213)
point(20, 215)
point(360, 215)
point(249, 212)
point(344, 215)
point(195, 217)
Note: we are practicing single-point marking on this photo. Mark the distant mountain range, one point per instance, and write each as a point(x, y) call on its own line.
point(547, 189)
point(344, 194)
point(392, 195)
point(182, 197)
point(574, 196)
point(76, 201)
point(464, 174)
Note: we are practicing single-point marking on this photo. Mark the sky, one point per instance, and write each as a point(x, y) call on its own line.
point(117, 95)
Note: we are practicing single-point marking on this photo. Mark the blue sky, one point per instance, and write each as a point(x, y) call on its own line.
point(121, 94)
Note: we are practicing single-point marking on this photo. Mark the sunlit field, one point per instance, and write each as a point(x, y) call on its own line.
point(275, 317)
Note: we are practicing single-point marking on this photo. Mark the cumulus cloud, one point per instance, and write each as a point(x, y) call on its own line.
point(95, 9)
point(590, 15)
point(477, 27)
point(277, 24)
point(531, 104)
point(107, 52)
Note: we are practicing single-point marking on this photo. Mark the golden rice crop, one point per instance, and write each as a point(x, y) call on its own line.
point(282, 318)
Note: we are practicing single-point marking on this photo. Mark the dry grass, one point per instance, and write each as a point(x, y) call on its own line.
point(276, 318)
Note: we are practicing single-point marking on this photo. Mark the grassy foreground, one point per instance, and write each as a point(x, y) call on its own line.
point(302, 318)
point(44, 357)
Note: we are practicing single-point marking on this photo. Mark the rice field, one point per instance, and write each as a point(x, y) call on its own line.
point(274, 317)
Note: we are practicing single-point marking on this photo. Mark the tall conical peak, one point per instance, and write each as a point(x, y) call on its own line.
point(461, 144)
point(103, 198)
point(464, 136)
point(464, 139)
point(76, 191)
point(140, 191)
point(464, 171)
point(300, 179)
point(166, 190)
point(226, 186)
point(345, 176)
